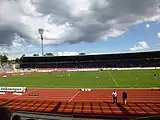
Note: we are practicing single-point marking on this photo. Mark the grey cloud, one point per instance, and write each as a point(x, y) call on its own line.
point(89, 27)
point(124, 12)
point(57, 9)
point(9, 29)
point(8, 33)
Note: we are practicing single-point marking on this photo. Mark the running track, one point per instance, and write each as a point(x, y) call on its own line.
point(96, 103)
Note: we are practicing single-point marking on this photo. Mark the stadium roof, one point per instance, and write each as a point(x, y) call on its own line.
point(101, 54)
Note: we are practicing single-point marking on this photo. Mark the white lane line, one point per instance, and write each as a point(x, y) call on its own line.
point(113, 79)
point(73, 96)
point(14, 97)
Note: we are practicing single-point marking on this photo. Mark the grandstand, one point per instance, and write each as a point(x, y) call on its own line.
point(1, 69)
point(6, 68)
point(125, 60)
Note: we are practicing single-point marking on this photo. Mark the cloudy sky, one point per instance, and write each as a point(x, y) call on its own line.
point(74, 26)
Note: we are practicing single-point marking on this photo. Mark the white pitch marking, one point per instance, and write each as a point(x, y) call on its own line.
point(74, 96)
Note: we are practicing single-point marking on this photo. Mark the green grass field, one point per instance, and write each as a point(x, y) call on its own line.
point(106, 79)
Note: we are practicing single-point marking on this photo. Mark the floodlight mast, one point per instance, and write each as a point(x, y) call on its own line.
point(41, 31)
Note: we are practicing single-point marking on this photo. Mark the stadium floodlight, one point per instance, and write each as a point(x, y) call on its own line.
point(41, 31)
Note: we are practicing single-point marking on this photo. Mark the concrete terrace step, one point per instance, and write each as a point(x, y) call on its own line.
point(84, 107)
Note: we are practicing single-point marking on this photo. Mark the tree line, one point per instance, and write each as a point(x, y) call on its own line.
point(51, 54)
point(47, 54)
point(4, 58)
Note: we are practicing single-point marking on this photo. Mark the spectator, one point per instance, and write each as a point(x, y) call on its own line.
point(16, 117)
point(124, 97)
point(5, 113)
point(114, 95)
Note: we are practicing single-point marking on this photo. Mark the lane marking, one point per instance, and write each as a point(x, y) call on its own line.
point(14, 97)
point(74, 96)
point(113, 79)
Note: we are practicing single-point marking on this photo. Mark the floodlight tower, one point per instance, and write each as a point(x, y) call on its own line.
point(41, 31)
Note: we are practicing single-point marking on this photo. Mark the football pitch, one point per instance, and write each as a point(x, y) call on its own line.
point(96, 79)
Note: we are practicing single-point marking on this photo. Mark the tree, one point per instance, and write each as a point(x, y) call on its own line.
point(17, 60)
point(48, 54)
point(35, 54)
point(3, 59)
point(82, 53)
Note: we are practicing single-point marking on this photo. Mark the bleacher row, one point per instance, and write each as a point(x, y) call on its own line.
point(5, 68)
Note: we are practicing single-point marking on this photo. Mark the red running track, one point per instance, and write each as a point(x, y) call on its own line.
point(141, 102)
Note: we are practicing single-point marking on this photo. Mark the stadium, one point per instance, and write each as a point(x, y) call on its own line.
point(79, 59)
point(72, 87)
